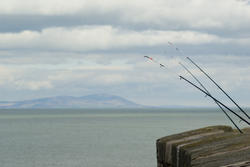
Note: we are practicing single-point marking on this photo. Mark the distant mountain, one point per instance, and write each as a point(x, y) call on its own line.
point(90, 101)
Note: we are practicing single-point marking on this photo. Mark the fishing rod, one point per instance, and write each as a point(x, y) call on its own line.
point(180, 51)
point(200, 89)
point(204, 88)
point(218, 86)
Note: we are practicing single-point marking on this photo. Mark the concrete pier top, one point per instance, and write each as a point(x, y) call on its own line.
point(207, 147)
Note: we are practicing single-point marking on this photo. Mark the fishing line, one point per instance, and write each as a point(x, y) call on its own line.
point(205, 91)
point(181, 77)
point(204, 88)
point(218, 86)
point(190, 60)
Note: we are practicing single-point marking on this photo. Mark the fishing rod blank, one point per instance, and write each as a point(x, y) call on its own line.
point(177, 49)
point(181, 77)
point(201, 90)
point(218, 86)
point(210, 94)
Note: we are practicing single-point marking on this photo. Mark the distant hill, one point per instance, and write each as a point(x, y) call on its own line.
point(90, 101)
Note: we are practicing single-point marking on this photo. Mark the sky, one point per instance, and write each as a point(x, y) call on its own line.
point(80, 47)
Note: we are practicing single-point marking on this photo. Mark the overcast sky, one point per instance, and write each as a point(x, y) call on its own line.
point(80, 47)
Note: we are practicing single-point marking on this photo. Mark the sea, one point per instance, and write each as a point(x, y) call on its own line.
point(93, 137)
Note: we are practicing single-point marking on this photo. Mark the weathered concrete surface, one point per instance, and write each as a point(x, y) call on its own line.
point(208, 147)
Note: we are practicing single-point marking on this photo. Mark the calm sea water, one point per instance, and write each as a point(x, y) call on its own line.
point(92, 138)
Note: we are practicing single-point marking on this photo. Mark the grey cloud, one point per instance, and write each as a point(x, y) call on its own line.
point(18, 23)
point(143, 81)
point(230, 20)
point(47, 50)
point(90, 38)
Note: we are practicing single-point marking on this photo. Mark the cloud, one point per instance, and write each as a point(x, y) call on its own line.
point(90, 38)
point(6, 75)
point(33, 85)
point(171, 14)
point(142, 81)
point(80, 47)
point(40, 7)
point(79, 42)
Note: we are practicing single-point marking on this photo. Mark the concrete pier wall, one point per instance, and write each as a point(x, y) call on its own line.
point(207, 147)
